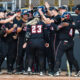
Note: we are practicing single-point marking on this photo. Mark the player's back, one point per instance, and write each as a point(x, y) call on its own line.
point(37, 31)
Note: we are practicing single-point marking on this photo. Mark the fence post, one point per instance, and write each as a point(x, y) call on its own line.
point(59, 3)
point(19, 4)
point(30, 1)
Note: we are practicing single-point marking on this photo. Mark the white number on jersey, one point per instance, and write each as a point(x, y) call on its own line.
point(36, 29)
point(71, 32)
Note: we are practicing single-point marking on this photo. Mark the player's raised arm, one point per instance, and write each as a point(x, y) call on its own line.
point(46, 20)
point(9, 19)
point(48, 6)
point(42, 15)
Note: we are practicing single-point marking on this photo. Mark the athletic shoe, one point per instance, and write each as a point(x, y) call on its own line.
point(29, 71)
point(25, 73)
point(50, 73)
point(34, 73)
point(19, 72)
point(77, 74)
point(41, 73)
point(59, 70)
point(11, 72)
point(57, 73)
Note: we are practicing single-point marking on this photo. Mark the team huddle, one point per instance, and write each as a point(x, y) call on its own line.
point(43, 34)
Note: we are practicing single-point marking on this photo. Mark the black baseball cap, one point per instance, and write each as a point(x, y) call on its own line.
point(18, 10)
point(63, 7)
point(10, 14)
point(77, 7)
point(52, 8)
point(25, 12)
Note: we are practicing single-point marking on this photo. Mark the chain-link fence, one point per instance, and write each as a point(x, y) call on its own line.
point(69, 3)
point(56, 2)
point(25, 3)
point(35, 3)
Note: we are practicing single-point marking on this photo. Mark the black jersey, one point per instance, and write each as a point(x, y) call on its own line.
point(65, 33)
point(1, 25)
point(9, 26)
point(2, 29)
point(38, 31)
point(21, 23)
point(15, 21)
point(57, 19)
point(77, 22)
point(2, 32)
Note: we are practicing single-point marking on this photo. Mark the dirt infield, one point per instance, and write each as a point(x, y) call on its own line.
point(35, 77)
